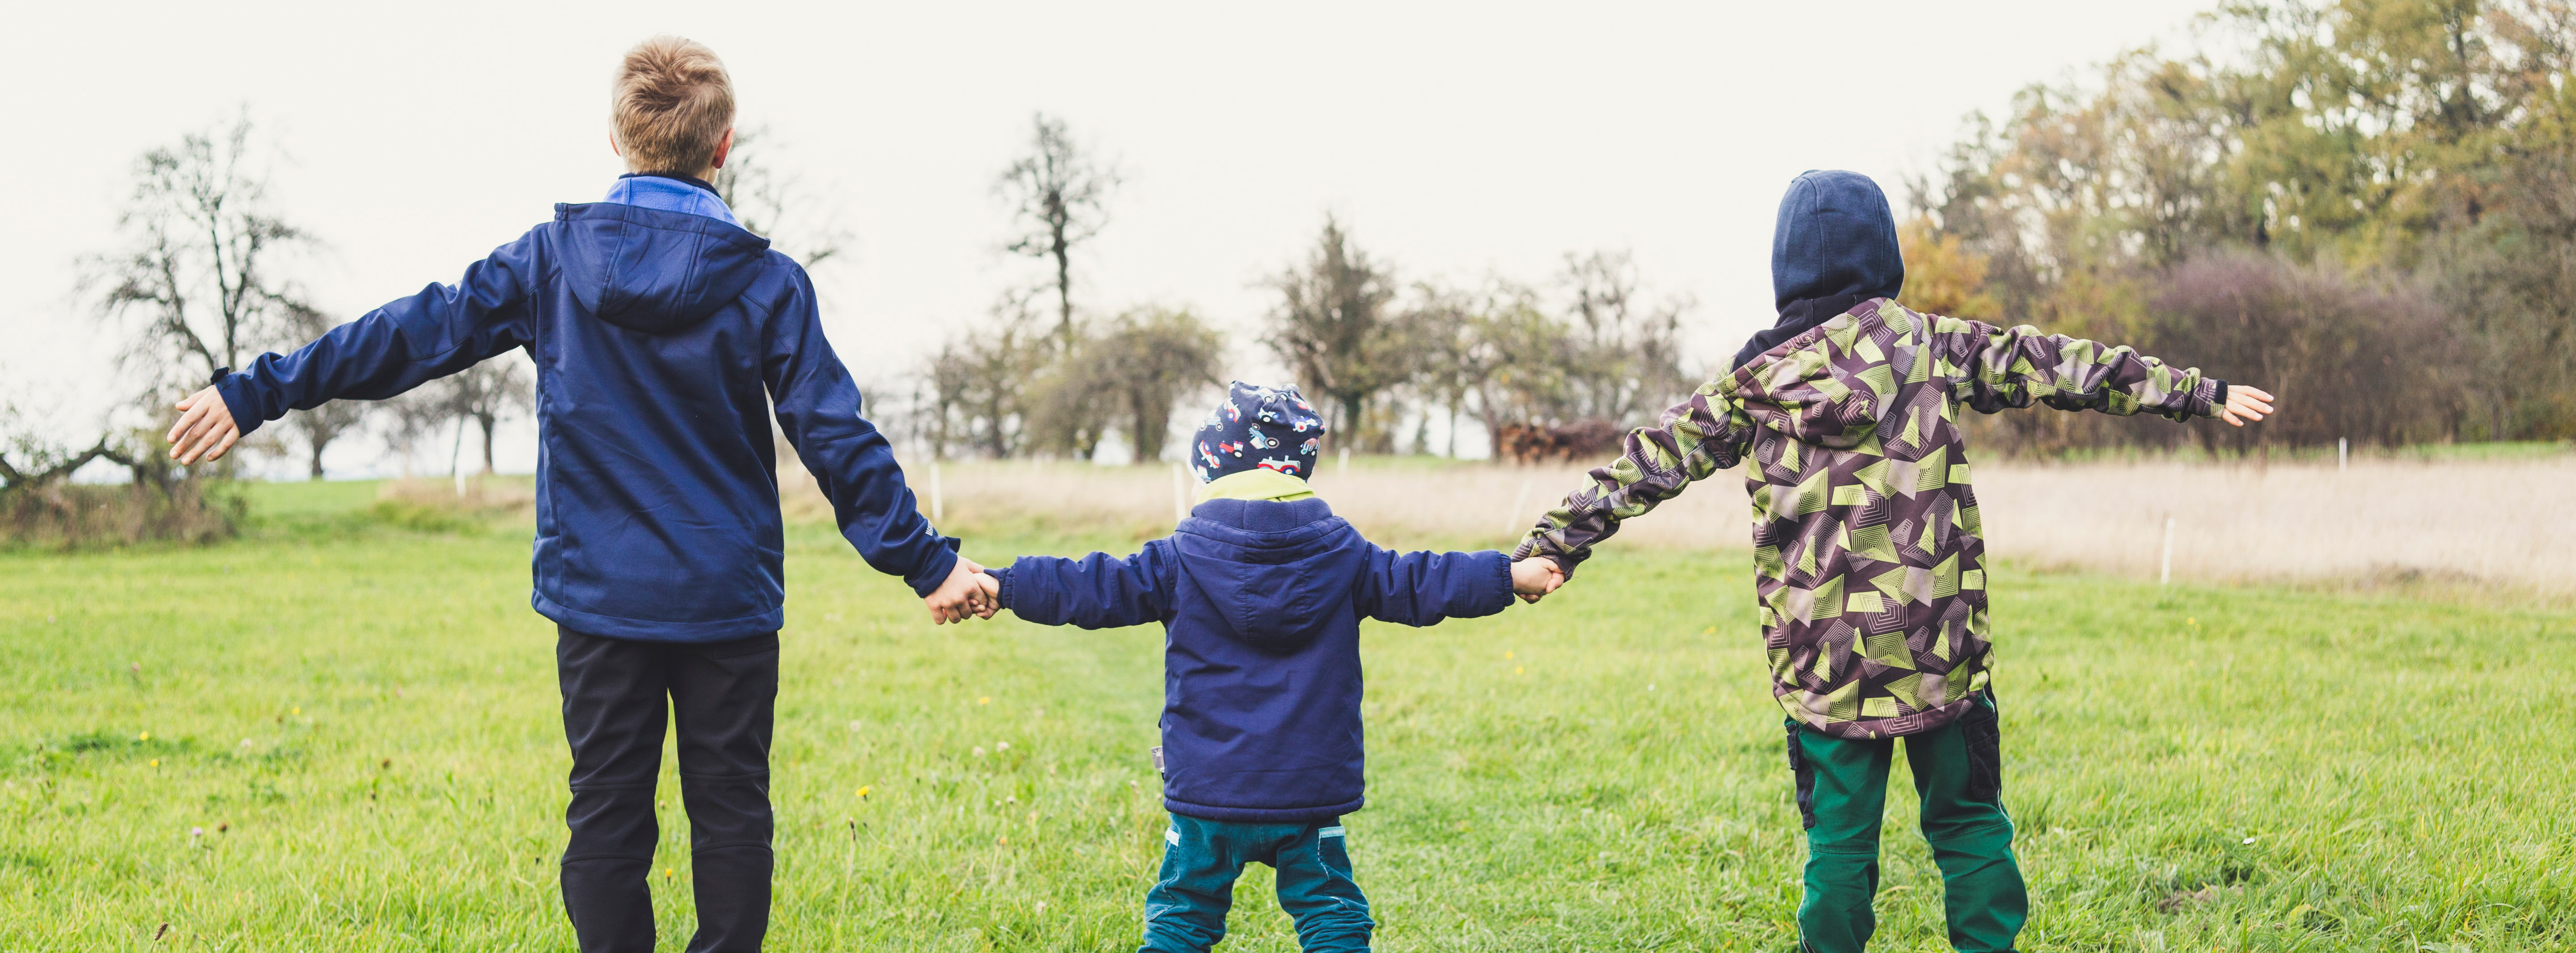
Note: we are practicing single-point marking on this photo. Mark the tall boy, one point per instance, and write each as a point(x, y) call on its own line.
point(1867, 550)
point(661, 333)
point(1260, 593)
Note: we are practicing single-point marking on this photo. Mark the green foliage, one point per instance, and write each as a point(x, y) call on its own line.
point(2421, 152)
point(364, 728)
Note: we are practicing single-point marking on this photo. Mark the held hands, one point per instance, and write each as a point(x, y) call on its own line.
point(205, 429)
point(967, 591)
point(2245, 405)
point(1533, 578)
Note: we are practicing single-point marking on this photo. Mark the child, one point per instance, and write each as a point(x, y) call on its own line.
point(1867, 550)
point(1260, 593)
point(661, 332)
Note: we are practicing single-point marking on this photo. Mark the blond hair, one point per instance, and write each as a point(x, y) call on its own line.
point(670, 105)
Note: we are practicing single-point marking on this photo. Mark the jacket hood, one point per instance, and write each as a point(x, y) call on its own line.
point(1272, 568)
point(654, 271)
point(1833, 246)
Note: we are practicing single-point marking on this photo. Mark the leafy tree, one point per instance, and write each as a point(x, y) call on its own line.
point(1335, 328)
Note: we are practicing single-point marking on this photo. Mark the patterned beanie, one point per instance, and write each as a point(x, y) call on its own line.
point(1268, 428)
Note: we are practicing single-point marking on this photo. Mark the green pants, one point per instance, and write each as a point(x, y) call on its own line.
point(1842, 794)
point(1185, 912)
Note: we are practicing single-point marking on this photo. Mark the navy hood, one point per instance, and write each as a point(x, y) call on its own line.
point(1271, 570)
point(649, 270)
point(1833, 246)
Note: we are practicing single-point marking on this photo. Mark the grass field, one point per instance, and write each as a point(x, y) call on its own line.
point(340, 733)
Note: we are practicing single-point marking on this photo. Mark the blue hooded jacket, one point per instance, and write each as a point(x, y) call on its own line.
point(1261, 604)
point(661, 341)
point(1833, 246)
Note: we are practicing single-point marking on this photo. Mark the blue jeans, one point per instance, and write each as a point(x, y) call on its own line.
point(1185, 912)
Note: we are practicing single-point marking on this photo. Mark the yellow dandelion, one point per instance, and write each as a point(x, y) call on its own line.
point(156, 762)
point(986, 700)
point(297, 710)
point(863, 791)
point(1712, 630)
point(1507, 655)
point(1518, 670)
point(667, 873)
point(2191, 621)
point(146, 736)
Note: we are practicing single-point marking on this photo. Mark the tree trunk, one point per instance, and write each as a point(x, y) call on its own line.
point(317, 456)
point(487, 420)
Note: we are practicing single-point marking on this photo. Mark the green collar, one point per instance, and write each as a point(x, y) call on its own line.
point(1255, 485)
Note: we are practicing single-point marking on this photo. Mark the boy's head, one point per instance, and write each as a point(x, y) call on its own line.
point(1258, 428)
point(1835, 236)
point(671, 109)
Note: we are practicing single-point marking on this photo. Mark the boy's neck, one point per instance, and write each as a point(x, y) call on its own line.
point(706, 180)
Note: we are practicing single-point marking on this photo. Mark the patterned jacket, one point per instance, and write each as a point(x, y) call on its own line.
point(1867, 548)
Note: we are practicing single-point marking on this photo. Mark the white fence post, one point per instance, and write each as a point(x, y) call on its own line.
point(2167, 577)
point(2343, 450)
point(1518, 503)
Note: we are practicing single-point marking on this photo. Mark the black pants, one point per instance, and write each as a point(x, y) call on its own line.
point(616, 696)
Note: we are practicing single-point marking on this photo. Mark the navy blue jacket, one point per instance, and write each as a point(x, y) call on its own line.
point(1261, 604)
point(661, 340)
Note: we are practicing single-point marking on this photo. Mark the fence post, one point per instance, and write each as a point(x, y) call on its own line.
point(2166, 579)
point(2343, 449)
point(938, 512)
point(1518, 503)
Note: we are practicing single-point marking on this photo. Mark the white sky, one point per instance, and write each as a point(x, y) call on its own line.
point(1456, 140)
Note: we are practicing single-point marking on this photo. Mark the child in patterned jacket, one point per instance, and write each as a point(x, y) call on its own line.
point(1868, 548)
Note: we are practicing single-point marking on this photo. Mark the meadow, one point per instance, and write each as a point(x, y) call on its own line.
point(340, 732)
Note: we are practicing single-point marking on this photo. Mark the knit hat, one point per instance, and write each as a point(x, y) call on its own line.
point(1267, 428)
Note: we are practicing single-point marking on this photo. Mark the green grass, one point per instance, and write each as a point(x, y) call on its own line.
point(362, 719)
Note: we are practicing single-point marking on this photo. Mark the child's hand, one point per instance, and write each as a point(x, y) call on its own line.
point(205, 428)
point(992, 589)
point(2245, 404)
point(1535, 577)
point(961, 595)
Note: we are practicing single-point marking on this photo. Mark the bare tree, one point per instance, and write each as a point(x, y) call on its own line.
point(488, 393)
point(194, 283)
point(1059, 196)
point(778, 205)
point(1334, 327)
point(1627, 362)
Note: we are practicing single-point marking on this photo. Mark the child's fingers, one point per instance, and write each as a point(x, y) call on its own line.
point(187, 420)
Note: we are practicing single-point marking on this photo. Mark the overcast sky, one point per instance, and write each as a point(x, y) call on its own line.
point(1455, 140)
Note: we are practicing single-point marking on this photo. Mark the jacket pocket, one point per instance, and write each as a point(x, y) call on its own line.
point(1984, 737)
point(1806, 777)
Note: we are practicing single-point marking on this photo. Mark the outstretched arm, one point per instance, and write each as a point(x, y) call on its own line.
point(1998, 368)
point(440, 331)
point(1424, 588)
point(1098, 591)
point(1702, 435)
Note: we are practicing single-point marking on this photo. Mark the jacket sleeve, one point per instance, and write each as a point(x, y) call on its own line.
point(1993, 368)
point(1424, 588)
point(411, 341)
point(852, 463)
point(1702, 435)
point(1098, 591)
